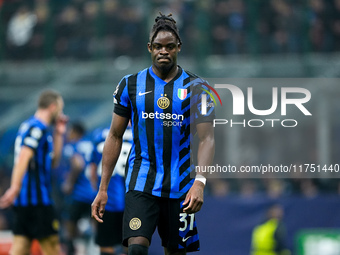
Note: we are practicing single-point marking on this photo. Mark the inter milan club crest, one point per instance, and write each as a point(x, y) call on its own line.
point(135, 223)
point(182, 93)
point(163, 102)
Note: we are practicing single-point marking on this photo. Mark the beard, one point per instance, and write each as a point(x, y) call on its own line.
point(54, 119)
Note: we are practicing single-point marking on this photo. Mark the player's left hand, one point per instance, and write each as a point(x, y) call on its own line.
point(194, 198)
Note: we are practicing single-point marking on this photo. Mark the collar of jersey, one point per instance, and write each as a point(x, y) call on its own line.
point(43, 125)
point(179, 73)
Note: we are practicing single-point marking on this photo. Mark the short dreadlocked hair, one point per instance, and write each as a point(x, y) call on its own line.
point(164, 23)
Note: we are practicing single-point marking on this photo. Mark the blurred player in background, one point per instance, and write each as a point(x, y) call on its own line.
point(160, 191)
point(36, 151)
point(269, 237)
point(77, 188)
point(109, 233)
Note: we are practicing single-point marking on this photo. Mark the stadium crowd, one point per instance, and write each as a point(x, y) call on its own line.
point(83, 29)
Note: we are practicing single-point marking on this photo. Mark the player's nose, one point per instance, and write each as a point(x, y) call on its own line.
point(164, 51)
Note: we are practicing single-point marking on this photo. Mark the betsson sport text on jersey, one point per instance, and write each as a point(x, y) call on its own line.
point(170, 119)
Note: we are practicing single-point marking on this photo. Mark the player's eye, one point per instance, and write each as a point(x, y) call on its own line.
point(157, 46)
point(171, 47)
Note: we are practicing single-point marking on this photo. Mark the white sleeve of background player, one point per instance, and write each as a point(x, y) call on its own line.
point(32, 137)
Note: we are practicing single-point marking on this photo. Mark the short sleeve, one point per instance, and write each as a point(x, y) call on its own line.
point(122, 105)
point(97, 152)
point(203, 103)
point(95, 157)
point(32, 137)
point(98, 146)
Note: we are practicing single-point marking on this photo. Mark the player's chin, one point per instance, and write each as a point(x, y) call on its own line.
point(165, 66)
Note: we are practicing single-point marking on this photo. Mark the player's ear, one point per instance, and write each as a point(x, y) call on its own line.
point(149, 47)
point(179, 46)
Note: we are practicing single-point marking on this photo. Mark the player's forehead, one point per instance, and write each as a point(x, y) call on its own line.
point(164, 38)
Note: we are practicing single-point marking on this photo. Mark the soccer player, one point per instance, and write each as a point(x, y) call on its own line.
point(109, 234)
point(77, 187)
point(269, 237)
point(36, 151)
point(159, 190)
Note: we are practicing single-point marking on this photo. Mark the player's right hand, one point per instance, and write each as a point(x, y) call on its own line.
point(61, 124)
point(98, 206)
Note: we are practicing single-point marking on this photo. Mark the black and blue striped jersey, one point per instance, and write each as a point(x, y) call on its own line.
point(82, 189)
point(161, 114)
point(36, 184)
point(116, 188)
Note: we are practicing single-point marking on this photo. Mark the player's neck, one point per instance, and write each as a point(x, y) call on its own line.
point(166, 75)
point(43, 115)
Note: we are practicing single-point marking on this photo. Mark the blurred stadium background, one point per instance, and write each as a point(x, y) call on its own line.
point(83, 48)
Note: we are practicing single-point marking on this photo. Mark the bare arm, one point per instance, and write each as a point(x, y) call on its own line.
point(112, 147)
point(206, 147)
point(19, 171)
point(205, 155)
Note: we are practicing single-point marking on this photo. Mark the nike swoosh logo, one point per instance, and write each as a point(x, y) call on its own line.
point(185, 239)
point(141, 94)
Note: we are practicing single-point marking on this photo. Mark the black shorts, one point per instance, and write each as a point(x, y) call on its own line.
point(35, 222)
point(78, 210)
point(109, 233)
point(144, 212)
